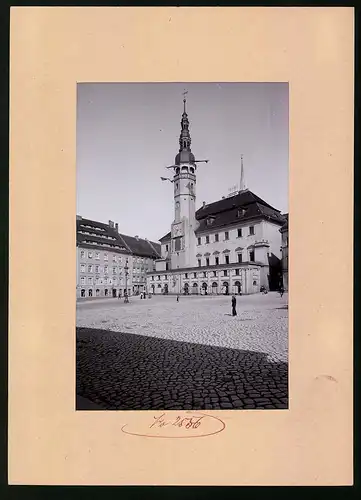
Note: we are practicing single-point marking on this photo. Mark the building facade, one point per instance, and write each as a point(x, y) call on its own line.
point(230, 246)
point(284, 233)
point(110, 264)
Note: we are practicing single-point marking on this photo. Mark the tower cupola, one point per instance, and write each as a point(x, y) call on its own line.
point(185, 154)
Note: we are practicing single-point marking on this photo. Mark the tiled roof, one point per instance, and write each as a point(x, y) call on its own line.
point(105, 237)
point(231, 216)
point(141, 247)
point(285, 225)
point(166, 237)
point(225, 212)
point(241, 199)
point(101, 236)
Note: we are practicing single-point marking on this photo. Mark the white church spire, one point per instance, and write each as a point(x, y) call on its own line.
point(242, 184)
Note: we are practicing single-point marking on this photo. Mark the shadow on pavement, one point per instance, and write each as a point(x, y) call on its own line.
point(122, 371)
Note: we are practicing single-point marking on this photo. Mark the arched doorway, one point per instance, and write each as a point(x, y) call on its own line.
point(166, 289)
point(90, 293)
point(153, 289)
point(114, 293)
point(225, 288)
point(237, 286)
point(97, 292)
point(106, 292)
point(186, 289)
point(214, 288)
point(204, 288)
point(195, 288)
point(82, 293)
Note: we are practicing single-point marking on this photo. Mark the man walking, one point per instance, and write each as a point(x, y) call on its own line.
point(234, 302)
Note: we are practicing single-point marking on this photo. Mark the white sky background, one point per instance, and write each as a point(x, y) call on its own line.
point(128, 133)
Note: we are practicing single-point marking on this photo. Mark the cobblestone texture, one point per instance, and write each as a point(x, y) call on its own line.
point(160, 354)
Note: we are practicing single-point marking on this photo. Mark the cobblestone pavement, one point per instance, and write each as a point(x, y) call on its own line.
point(160, 354)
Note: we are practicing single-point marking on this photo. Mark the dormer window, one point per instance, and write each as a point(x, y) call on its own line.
point(241, 212)
point(210, 220)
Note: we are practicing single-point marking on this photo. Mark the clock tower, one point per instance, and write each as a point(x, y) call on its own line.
point(183, 244)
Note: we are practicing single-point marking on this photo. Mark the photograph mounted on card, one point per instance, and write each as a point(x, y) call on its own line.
point(172, 293)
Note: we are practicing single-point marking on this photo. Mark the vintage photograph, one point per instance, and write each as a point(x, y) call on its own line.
point(182, 246)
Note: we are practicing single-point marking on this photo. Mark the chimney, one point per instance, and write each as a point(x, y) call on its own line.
point(223, 197)
point(136, 237)
point(117, 227)
point(111, 223)
point(204, 204)
point(79, 217)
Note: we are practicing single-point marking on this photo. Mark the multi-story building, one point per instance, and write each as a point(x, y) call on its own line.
point(109, 263)
point(231, 245)
point(284, 233)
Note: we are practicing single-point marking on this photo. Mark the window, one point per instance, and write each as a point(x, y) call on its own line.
point(251, 230)
point(105, 256)
point(82, 254)
point(166, 266)
point(214, 273)
point(227, 259)
point(226, 235)
point(194, 275)
point(97, 255)
point(90, 280)
point(199, 241)
point(239, 232)
point(82, 268)
point(204, 274)
point(119, 260)
point(239, 257)
point(225, 273)
point(158, 277)
point(114, 270)
point(216, 237)
point(166, 248)
point(82, 280)
point(207, 239)
point(152, 278)
point(90, 268)
point(207, 261)
point(106, 269)
point(237, 272)
point(96, 269)
point(199, 263)
point(251, 255)
point(97, 281)
point(90, 255)
point(217, 261)
point(159, 286)
point(186, 276)
point(165, 277)
point(114, 258)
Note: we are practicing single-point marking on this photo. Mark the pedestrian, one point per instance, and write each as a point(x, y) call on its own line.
point(234, 302)
point(282, 291)
point(177, 298)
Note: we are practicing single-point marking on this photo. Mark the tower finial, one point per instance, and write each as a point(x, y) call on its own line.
point(184, 100)
point(242, 184)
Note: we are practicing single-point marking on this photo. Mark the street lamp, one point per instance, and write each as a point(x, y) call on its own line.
point(126, 268)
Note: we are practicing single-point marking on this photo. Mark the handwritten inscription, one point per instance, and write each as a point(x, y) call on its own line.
point(171, 425)
point(186, 422)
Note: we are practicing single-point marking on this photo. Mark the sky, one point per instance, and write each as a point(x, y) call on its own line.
point(127, 134)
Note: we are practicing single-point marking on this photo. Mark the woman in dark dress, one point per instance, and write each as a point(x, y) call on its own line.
point(234, 301)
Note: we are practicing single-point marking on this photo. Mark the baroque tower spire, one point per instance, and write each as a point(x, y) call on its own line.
point(185, 154)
